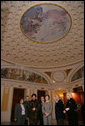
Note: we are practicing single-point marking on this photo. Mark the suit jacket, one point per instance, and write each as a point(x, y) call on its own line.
point(59, 107)
point(47, 107)
point(18, 111)
point(40, 110)
point(26, 103)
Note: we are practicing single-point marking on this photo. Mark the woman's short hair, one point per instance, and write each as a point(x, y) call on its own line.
point(20, 99)
point(48, 96)
point(33, 95)
point(58, 95)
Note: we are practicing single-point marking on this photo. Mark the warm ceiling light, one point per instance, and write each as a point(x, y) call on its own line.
point(53, 81)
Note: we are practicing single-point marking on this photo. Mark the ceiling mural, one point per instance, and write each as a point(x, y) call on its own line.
point(22, 75)
point(79, 74)
point(45, 22)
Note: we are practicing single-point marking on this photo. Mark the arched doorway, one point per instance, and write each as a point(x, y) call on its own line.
point(17, 93)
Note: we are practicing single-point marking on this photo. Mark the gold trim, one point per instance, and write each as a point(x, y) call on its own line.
point(51, 95)
point(48, 41)
point(30, 94)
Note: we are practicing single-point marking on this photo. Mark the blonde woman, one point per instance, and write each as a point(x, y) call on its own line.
point(70, 109)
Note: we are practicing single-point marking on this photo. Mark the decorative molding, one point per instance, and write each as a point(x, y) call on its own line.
point(58, 76)
point(74, 70)
point(71, 66)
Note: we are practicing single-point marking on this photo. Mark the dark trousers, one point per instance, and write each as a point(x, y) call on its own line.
point(26, 122)
point(73, 119)
point(33, 121)
point(41, 121)
point(60, 122)
point(21, 120)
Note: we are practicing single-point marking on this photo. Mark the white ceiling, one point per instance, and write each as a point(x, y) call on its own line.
point(18, 49)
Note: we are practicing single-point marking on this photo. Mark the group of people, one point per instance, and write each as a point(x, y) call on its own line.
point(33, 112)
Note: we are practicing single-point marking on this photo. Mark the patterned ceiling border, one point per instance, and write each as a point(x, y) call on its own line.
point(69, 66)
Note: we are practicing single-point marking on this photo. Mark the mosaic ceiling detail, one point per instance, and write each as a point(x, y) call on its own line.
point(45, 22)
point(22, 75)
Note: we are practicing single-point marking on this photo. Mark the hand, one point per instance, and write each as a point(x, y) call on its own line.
point(15, 119)
point(27, 118)
point(64, 111)
point(33, 109)
point(67, 109)
point(47, 114)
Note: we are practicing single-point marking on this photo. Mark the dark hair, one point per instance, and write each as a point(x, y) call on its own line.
point(43, 96)
point(48, 96)
point(27, 96)
point(20, 100)
point(33, 95)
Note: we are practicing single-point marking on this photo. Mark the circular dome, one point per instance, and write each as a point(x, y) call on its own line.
point(45, 23)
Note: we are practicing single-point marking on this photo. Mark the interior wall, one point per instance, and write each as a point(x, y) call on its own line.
point(7, 88)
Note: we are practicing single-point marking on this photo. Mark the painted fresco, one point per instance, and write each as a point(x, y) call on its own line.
point(79, 74)
point(23, 75)
point(45, 23)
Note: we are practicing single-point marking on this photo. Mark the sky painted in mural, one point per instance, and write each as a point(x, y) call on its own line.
point(45, 23)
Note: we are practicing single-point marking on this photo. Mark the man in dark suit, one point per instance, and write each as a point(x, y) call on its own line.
point(40, 110)
point(59, 108)
point(20, 113)
point(26, 103)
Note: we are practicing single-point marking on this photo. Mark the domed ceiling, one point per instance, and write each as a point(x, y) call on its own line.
point(47, 34)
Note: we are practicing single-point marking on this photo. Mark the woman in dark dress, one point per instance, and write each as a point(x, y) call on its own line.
point(34, 109)
point(70, 109)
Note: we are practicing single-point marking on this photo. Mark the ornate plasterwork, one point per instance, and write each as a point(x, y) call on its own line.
point(73, 71)
point(15, 47)
point(50, 79)
point(58, 76)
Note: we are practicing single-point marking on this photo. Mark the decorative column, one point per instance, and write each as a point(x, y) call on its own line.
point(35, 91)
point(5, 105)
point(27, 92)
point(10, 104)
point(2, 88)
point(30, 93)
point(53, 113)
point(5, 99)
point(83, 87)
